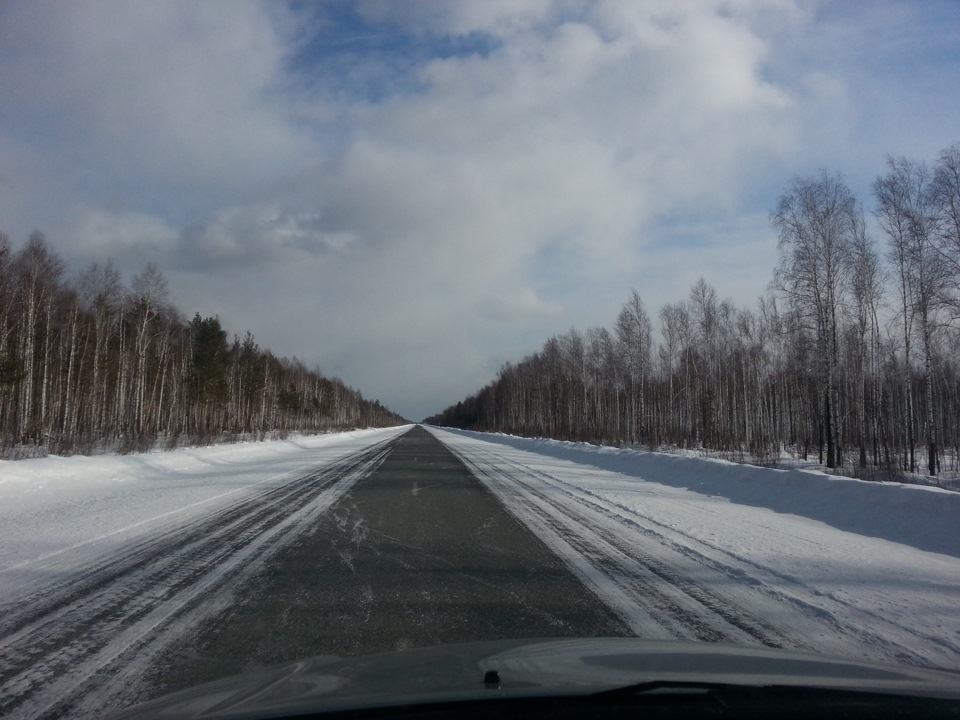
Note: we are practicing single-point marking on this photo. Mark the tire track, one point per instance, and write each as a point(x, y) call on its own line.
point(841, 616)
point(686, 609)
point(53, 643)
point(654, 566)
point(595, 506)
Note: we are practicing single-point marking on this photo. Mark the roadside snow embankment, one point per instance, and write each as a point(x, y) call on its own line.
point(923, 517)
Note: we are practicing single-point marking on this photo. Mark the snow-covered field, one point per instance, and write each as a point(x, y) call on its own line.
point(705, 549)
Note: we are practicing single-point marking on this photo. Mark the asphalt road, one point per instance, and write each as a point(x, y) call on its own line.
point(418, 553)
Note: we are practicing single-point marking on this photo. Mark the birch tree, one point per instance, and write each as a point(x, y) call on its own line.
point(633, 345)
point(38, 271)
point(866, 285)
point(149, 297)
point(944, 193)
point(907, 214)
point(816, 223)
point(10, 370)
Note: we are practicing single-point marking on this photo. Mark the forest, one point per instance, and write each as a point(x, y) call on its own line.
point(90, 365)
point(851, 358)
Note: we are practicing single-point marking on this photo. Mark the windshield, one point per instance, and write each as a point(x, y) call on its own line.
point(331, 329)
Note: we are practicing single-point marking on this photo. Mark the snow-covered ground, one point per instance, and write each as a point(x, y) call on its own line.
point(106, 560)
point(60, 513)
point(705, 549)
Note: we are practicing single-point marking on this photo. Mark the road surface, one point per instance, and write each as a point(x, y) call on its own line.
point(417, 554)
point(393, 547)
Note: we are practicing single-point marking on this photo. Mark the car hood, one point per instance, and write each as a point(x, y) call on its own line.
point(528, 668)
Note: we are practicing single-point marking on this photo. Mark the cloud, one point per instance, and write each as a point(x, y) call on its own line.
point(409, 194)
point(253, 233)
point(560, 143)
point(99, 233)
point(175, 97)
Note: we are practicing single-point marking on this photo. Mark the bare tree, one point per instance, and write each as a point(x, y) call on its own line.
point(633, 346)
point(38, 271)
point(816, 223)
point(670, 349)
point(944, 193)
point(9, 368)
point(148, 299)
point(101, 296)
point(866, 286)
point(907, 215)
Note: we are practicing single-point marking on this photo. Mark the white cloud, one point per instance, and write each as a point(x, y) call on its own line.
point(412, 240)
point(172, 95)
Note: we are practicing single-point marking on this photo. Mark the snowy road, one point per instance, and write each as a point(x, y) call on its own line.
point(116, 593)
point(686, 565)
point(111, 566)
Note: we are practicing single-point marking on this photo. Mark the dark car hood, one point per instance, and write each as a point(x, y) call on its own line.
point(528, 668)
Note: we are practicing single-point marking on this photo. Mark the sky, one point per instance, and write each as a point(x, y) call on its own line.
point(409, 194)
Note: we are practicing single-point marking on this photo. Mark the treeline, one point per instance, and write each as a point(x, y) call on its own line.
point(853, 355)
point(91, 364)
